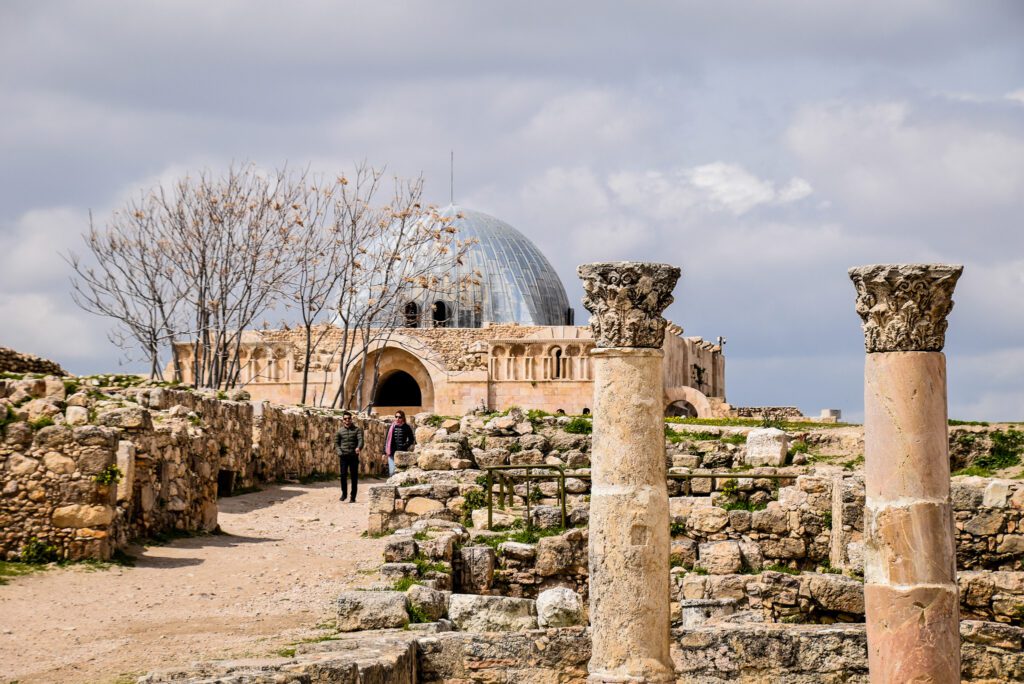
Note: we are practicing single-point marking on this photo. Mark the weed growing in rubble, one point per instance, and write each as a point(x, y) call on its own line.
point(579, 426)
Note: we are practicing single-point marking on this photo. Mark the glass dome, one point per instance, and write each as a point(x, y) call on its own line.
point(516, 283)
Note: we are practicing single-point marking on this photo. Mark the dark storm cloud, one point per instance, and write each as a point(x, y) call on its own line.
point(765, 147)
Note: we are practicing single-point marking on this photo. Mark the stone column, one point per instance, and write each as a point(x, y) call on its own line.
point(910, 587)
point(629, 522)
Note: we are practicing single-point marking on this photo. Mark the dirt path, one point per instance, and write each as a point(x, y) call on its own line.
point(264, 585)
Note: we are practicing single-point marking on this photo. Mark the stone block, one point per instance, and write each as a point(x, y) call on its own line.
point(79, 516)
point(707, 520)
point(360, 610)
point(76, 415)
point(405, 459)
point(400, 549)
point(491, 457)
point(683, 552)
point(559, 607)
point(546, 517)
point(382, 498)
point(985, 523)
point(766, 447)
point(435, 459)
point(526, 457)
point(565, 554)
point(428, 603)
point(720, 558)
point(440, 548)
point(478, 564)
point(58, 463)
point(517, 551)
point(787, 548)
point(996, 494)
point(392, 572)
point(125, 460)
point(19, 464)
point(422, 506)
point(836, 593)
point(772, 520)
point(474, 613)
point(128, 418)
point(499, 518)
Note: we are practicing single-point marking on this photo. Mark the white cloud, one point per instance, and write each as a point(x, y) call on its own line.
point(892, 161)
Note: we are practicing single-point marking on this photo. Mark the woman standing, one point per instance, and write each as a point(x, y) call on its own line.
point(400, 438)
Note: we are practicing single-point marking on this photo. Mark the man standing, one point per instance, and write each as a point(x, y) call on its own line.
point(400, 438)
point(348, 442)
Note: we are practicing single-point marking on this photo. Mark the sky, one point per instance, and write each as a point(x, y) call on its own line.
point(764, 148)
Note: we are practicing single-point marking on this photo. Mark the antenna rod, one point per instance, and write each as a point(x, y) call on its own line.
point(451, 179)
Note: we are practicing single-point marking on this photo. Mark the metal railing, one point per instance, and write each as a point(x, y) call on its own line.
point(505, 476)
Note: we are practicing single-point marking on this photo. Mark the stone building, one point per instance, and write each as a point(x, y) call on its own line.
point(508, 339)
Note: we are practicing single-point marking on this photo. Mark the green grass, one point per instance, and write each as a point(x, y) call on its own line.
point(416, 615)
point(9, 570)
point(734, 439)
point(755, 422)
point(973, 471)
point(425, 565)
point(981, 423)
point(743, 506)
point(6, 419)
point(521, 536)
point(579, 426)
point(41, 422)
point(404, 583)
point(286, 653)
point(782, 568)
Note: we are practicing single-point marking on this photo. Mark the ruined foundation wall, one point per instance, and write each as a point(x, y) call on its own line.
point(16, 362)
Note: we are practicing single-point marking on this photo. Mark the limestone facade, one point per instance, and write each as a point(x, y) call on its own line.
point(457, 370)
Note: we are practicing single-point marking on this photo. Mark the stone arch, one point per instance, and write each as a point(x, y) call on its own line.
point(392, 361)
point(691, 396)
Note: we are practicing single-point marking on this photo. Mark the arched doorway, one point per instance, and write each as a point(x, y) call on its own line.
point(400, 376)
point(680, 409)
point(412, 315)
point(398, 389)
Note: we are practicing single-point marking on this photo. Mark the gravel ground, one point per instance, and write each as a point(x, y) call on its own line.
point(266, 583)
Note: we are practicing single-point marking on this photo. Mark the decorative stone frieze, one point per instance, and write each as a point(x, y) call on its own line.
point(626, 300)
point(904, 306)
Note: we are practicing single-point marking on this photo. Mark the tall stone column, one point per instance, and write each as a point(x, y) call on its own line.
point(910, 587)
point(629, 522)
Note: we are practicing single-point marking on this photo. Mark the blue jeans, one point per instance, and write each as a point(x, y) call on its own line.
point(391, 466)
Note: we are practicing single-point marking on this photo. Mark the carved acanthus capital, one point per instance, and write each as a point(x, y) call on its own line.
point(904, 306)
point(626, 300)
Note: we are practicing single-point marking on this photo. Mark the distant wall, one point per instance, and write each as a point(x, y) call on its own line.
point(16, 362)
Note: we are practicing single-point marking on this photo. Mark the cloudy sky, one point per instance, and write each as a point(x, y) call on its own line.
point(763, 147)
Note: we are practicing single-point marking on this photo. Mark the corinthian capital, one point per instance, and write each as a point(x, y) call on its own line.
point(627, 299)
point(904, 306)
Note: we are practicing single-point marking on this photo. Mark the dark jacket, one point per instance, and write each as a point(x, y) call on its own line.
point(347, 440)
point(402, 439)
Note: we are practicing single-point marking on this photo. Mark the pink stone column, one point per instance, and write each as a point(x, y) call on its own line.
point(629, 520)
point(910, 589)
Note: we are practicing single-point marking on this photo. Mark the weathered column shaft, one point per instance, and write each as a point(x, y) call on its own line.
point(629, 535)
point(911, 600)
point(629, 539)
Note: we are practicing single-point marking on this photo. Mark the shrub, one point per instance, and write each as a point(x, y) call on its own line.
point(579, 426)
point(41, 422)
point(37, 552)
point(110, 475)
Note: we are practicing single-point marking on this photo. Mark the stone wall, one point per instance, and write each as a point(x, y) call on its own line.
point(16, 362)
point(719, 654)
point(49, 491)
point(296, 443)
point(175, 452)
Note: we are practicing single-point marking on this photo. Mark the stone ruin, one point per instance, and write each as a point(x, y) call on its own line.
point(91, 463)
point(778, 569)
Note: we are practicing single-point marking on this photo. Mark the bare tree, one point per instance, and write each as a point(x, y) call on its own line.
point(316, 252)
point(404, 248)
point(130, 281)
point(228, 239)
